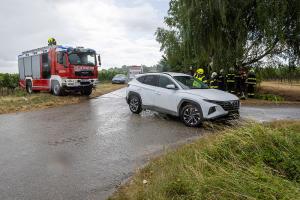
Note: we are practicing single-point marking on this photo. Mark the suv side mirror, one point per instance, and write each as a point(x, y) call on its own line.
point(99, 60)
point(171, 87)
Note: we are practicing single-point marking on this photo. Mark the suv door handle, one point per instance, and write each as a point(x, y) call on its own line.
point(158, 93)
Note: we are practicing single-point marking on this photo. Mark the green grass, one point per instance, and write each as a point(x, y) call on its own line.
point(251, 162)
point(270, 97)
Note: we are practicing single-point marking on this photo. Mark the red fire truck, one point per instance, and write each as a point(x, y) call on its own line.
point(59, 69)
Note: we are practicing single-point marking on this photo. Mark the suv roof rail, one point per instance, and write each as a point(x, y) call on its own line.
point(167, 73)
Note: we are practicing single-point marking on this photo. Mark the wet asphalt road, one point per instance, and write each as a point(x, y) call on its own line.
point(84, 151)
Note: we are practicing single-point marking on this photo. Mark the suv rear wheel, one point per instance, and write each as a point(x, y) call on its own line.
point(135, 104)
point(191, 115)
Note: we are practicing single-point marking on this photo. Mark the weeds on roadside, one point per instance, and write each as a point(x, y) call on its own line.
point(251, 162)
point(270, 97)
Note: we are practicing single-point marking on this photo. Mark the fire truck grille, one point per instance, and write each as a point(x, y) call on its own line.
point(84, 73)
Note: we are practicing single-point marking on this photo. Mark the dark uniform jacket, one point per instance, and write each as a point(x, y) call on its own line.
point(214, 84)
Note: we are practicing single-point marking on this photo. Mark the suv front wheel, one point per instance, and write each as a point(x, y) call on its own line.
point(191, 115)
point(135, 104)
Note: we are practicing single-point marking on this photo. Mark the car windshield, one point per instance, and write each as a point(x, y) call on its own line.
point(120, 76)
point(189, 82)
point(82, 59)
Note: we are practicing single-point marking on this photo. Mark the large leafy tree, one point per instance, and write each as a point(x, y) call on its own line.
point(230, 33)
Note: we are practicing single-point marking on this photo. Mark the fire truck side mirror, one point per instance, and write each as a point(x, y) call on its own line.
point(99, 60)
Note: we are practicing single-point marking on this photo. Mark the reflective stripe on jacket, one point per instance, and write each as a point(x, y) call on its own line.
point(230, 78)
point(214, 84)
point(251, 80)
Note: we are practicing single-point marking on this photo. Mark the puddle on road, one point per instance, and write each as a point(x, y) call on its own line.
point(75, 140)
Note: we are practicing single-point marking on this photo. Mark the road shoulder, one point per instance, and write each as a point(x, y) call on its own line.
point(26, 103)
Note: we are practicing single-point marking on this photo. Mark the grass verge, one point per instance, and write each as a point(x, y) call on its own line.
point(23, 102)
point(287, 91)
point(256, 161)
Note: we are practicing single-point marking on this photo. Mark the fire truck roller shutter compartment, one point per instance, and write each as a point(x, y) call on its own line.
point(27, 65)
point(21, 68)
point(36, 67)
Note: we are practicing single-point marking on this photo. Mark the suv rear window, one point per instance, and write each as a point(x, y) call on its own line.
point(141, 79)
point(151, 80)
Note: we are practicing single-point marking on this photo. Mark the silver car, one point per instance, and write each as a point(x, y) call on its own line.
point(119, 79)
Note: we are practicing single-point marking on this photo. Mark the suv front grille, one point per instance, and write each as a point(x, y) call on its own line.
point(228, 105)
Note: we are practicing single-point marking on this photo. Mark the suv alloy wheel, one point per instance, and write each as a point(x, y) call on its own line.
point(135, 104)
point(191, 115)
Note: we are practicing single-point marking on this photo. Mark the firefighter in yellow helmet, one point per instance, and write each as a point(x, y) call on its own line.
point(200, 75)
point(51, 41)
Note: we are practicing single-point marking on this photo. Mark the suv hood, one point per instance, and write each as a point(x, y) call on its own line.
point(212, 94)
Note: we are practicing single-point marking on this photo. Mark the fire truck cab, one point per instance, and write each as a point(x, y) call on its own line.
point(59, 69)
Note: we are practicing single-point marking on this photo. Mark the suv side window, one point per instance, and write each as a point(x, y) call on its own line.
point(164, 81)
point(151, 80)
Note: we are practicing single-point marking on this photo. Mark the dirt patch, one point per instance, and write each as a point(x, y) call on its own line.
point(10, 104)
point(290, 92)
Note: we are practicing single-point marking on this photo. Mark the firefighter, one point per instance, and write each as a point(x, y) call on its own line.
point(200, 75)
point(251, 83)
point(192, 71)
point(237, 79)
point(214, 84)
point(230, 80)
point(51, 41)
point(243, 85)
point(221, 80)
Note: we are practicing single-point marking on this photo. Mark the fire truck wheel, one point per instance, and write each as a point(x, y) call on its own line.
point(29, 86)
point(56, 89)
point(87, 91)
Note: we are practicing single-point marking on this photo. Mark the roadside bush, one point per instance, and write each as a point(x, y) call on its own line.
point(269, 97)
point(107, 75)
point(279, 73)
point(8, 83)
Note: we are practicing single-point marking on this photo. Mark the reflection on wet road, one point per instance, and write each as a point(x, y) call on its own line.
point(84, 151)
point(270, 113)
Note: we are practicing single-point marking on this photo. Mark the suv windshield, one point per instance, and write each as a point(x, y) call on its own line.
point(189, 82)
point(82, 59)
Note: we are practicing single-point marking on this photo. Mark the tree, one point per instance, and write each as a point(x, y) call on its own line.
point(229, 32)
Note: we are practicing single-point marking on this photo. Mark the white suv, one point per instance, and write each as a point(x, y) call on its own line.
point(179, 95)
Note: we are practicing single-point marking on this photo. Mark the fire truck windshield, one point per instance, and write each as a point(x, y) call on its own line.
point(82, 59)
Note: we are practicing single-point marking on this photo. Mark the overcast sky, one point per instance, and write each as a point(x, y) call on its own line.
point(121, 30)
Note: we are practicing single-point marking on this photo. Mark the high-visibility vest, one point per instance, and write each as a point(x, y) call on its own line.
point(201, 78)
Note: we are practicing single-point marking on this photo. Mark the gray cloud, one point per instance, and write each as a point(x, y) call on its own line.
point(123, 34)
